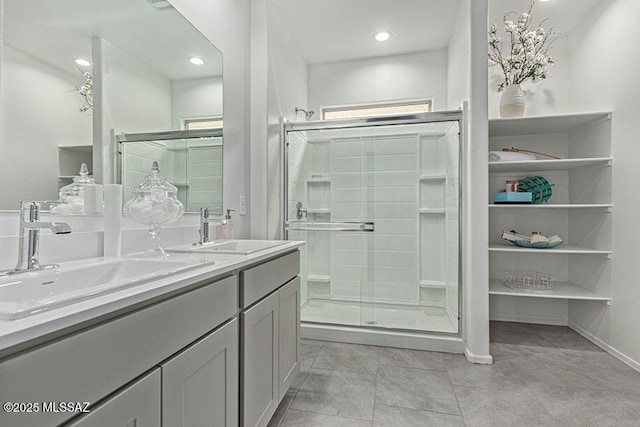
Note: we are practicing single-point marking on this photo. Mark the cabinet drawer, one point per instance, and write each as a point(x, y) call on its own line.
point(91, 364)
point(136, 405)
point(261, 280)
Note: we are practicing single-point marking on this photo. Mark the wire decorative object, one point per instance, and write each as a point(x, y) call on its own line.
point(532, 281)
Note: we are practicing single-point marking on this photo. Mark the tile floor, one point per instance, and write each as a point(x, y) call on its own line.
point(542, 376)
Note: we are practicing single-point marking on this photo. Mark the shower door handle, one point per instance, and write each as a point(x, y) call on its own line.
point(365, 226)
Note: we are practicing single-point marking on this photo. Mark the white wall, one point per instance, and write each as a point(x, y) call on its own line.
point(550, 96)
point(129, 97)
point(136, 97)
point(605, 64)
point(195, 98)
point(287, 89)
point(226, 24)
point(458, 69)
point(411, 76)
point(475, 215)
point(33, 91)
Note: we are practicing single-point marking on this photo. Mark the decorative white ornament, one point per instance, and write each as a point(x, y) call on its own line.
point(512, 102)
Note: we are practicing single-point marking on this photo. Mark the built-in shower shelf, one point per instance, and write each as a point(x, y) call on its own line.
point(432, 177)
point(561, 290)
point(432, 211)
point(562, 249)
point(318, 210)
point(324, 180)
point(322, 278)
point(433, 284)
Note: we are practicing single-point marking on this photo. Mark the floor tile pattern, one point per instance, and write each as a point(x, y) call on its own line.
point(542, 376)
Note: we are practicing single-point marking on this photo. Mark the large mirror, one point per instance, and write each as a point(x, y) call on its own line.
point(147, 70)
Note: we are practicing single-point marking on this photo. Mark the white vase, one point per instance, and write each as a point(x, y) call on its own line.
point(512, 102)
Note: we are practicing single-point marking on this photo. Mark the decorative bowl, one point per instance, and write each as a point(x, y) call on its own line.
point(538, 245)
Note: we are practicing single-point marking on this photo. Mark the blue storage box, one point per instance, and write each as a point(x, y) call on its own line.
point(512, 197)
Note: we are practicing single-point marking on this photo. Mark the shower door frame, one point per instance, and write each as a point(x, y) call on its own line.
point(377, 121)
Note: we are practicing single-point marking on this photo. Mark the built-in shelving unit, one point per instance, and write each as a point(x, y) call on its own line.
point(548, 165)
point(438, 192)
point(70, 158)
point(318, 201)
point(607, 206)
point(321, 278)
point(432, 177)
point(579, 210)
point(562, 249)
point(432, 284)
point(318, 210)
point(432, 211)
point(561, 290)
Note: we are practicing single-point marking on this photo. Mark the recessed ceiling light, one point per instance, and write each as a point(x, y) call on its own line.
point(83, 62)
point(382, 36)
point(544, 1)
point(196, 61)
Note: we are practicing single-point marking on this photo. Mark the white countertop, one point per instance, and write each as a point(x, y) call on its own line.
point(207, 267)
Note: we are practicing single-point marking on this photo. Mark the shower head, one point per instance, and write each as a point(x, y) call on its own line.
point(307, 114)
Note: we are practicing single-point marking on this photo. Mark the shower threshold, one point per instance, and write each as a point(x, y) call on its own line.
point(381, 315)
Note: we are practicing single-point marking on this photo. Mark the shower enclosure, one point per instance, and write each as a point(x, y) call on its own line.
point(190, 159)
point(378, 202)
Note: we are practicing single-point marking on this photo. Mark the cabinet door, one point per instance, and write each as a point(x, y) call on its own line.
point(289, 331)
point(200, 384)
point(137, 405)
point(259, 362)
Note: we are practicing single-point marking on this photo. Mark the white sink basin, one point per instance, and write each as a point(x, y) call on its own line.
point(240, 247)
point(30, 293)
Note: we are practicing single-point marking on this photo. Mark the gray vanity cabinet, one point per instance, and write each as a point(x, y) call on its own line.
point(260, 362)
point(137, 405)
point(288, 335)
point(200, 384)
point(270, 333)
point(220, 353)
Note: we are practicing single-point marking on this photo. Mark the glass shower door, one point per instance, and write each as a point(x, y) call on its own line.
point(378, 208)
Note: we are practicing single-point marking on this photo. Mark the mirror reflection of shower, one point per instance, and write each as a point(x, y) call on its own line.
point(307, 114)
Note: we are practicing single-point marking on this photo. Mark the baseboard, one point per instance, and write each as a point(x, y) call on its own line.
point(606, 347)
point(399, 339)
point(481, 360)
point(529, 319)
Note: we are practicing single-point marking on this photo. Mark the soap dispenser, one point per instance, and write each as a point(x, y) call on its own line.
point(226, 228)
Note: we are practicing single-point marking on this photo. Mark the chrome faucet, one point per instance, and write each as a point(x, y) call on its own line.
point(204, 226)
point(29, 238)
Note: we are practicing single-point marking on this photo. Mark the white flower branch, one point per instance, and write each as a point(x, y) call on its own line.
point(85, 90)
point(528, 57)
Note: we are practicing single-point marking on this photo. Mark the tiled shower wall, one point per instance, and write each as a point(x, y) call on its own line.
point(196, 170)
point(375, 178)
point(137, 160)
point(407, 184)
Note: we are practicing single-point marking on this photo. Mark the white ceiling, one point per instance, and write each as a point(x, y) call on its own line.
point(562, 15)
point(58, 31)
point(339, 30)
